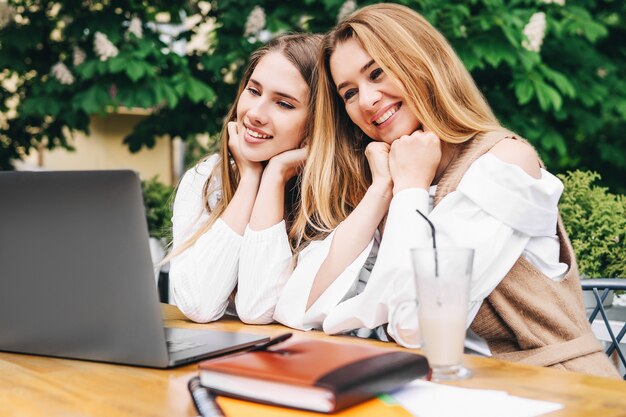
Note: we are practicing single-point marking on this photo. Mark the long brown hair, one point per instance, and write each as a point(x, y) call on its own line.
point(438, 90)
point(301, 50)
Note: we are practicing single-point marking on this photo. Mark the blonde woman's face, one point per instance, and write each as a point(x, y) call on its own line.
point(373, 100)
point(272, 110)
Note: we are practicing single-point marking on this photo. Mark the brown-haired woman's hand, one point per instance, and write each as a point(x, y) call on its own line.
point(413, 160)
point(286, 165)
point(377, 154)
point(245, 167)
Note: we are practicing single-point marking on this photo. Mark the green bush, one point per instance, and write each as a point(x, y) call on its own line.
point(157, 200)
point(596, 223)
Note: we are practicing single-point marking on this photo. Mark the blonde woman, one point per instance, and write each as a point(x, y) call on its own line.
point(387, 76)
point(230, 211)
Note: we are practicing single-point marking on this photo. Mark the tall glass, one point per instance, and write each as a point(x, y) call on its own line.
point(442, 278)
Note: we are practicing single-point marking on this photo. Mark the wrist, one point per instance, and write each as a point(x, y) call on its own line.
point(382, 188)
point(250, 169)
point(251, 176)
point(401, 186)
point(276, 173)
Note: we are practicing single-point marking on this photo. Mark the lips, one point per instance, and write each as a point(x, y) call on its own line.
point(384, 115)
point(253, 135)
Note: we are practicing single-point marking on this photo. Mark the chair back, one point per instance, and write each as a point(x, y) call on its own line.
point(616, 334)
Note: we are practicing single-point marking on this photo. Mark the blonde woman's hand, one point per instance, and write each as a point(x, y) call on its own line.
point(235, 142)
point(377, 154)
point(413, 160)
point(286, 165)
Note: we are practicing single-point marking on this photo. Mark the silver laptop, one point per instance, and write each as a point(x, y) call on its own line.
point(76, 278)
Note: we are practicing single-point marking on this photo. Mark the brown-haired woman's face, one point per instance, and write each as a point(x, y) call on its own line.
point(373, 100)
point(273, 108)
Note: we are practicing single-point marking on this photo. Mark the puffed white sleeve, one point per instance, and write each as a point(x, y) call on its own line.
point(496, 210)
point(291, 307)
point(204, 275)
point(264, 267)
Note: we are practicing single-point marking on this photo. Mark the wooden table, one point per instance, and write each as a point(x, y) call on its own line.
point(40, 386)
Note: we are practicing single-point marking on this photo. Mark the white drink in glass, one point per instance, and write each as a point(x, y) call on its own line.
point(442, 282)
point(445, 337)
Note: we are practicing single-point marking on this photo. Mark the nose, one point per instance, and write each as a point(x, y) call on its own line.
point(257, 114)
point(369, 96)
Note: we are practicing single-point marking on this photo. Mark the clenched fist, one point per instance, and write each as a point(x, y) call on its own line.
point(414, 159)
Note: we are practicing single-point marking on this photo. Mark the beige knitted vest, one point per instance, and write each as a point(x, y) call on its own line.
point(530, 318)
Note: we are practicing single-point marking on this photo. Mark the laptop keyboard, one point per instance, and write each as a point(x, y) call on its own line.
point(179, 345)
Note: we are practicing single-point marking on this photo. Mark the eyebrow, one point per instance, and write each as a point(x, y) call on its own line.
point(362, 70)
point(278, 93)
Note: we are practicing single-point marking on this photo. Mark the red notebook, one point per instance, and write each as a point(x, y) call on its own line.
point(312, 375)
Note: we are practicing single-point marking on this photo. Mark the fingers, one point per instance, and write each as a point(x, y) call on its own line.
point(374, 147)
point(299, 155)
point(233, 130)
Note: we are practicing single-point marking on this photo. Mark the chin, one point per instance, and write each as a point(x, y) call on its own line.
point(258, 158)
point(255, 156)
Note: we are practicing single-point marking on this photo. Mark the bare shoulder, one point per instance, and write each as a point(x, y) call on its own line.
point(518, 153)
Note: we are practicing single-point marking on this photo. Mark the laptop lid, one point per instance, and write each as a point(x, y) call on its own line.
point(76, 278)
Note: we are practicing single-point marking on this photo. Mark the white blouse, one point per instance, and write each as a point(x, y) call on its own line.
point(204, 276)
point(497, 209)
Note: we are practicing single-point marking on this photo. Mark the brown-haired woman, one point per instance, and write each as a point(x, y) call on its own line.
point(229, 213)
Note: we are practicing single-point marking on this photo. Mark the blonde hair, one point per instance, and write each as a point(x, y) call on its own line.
point(438, 89)
point(301, 50)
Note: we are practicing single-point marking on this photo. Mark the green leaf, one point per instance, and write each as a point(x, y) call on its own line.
point(40, 106)
point(135, 70)
point(195, 89)
point(117, 64)
point(524, 91)
point(89, 68)
point(164, 92)
point(555, 97)
point(590, 28)
point(561, 82)
point(93, 100)
point(547, 96)
point(145, 98)
point(529, 59)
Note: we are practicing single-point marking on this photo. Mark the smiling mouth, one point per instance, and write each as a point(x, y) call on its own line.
point(382, 119)
point(257, 135)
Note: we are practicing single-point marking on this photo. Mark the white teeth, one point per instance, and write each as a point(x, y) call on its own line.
point(257, 134)
point(387, 115)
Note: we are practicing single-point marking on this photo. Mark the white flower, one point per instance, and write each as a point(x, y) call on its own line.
point(62, 74)
point(229, 73)
point(535, 31)
point(192, 21)
point(78, 56)
point(255, 22)
point(54, 10)
point(7, 14)
point(559, 2)
point(304, 20)
point(205, 7)
point(135, 28)
point(201, 40)
point(346, 9)
point(103, 47)
point(162, 17)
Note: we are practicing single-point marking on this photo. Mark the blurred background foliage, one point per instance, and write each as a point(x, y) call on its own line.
point(553, 70)
point(157, 200)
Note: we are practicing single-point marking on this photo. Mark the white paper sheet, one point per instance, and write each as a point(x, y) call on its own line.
point(427, 399)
